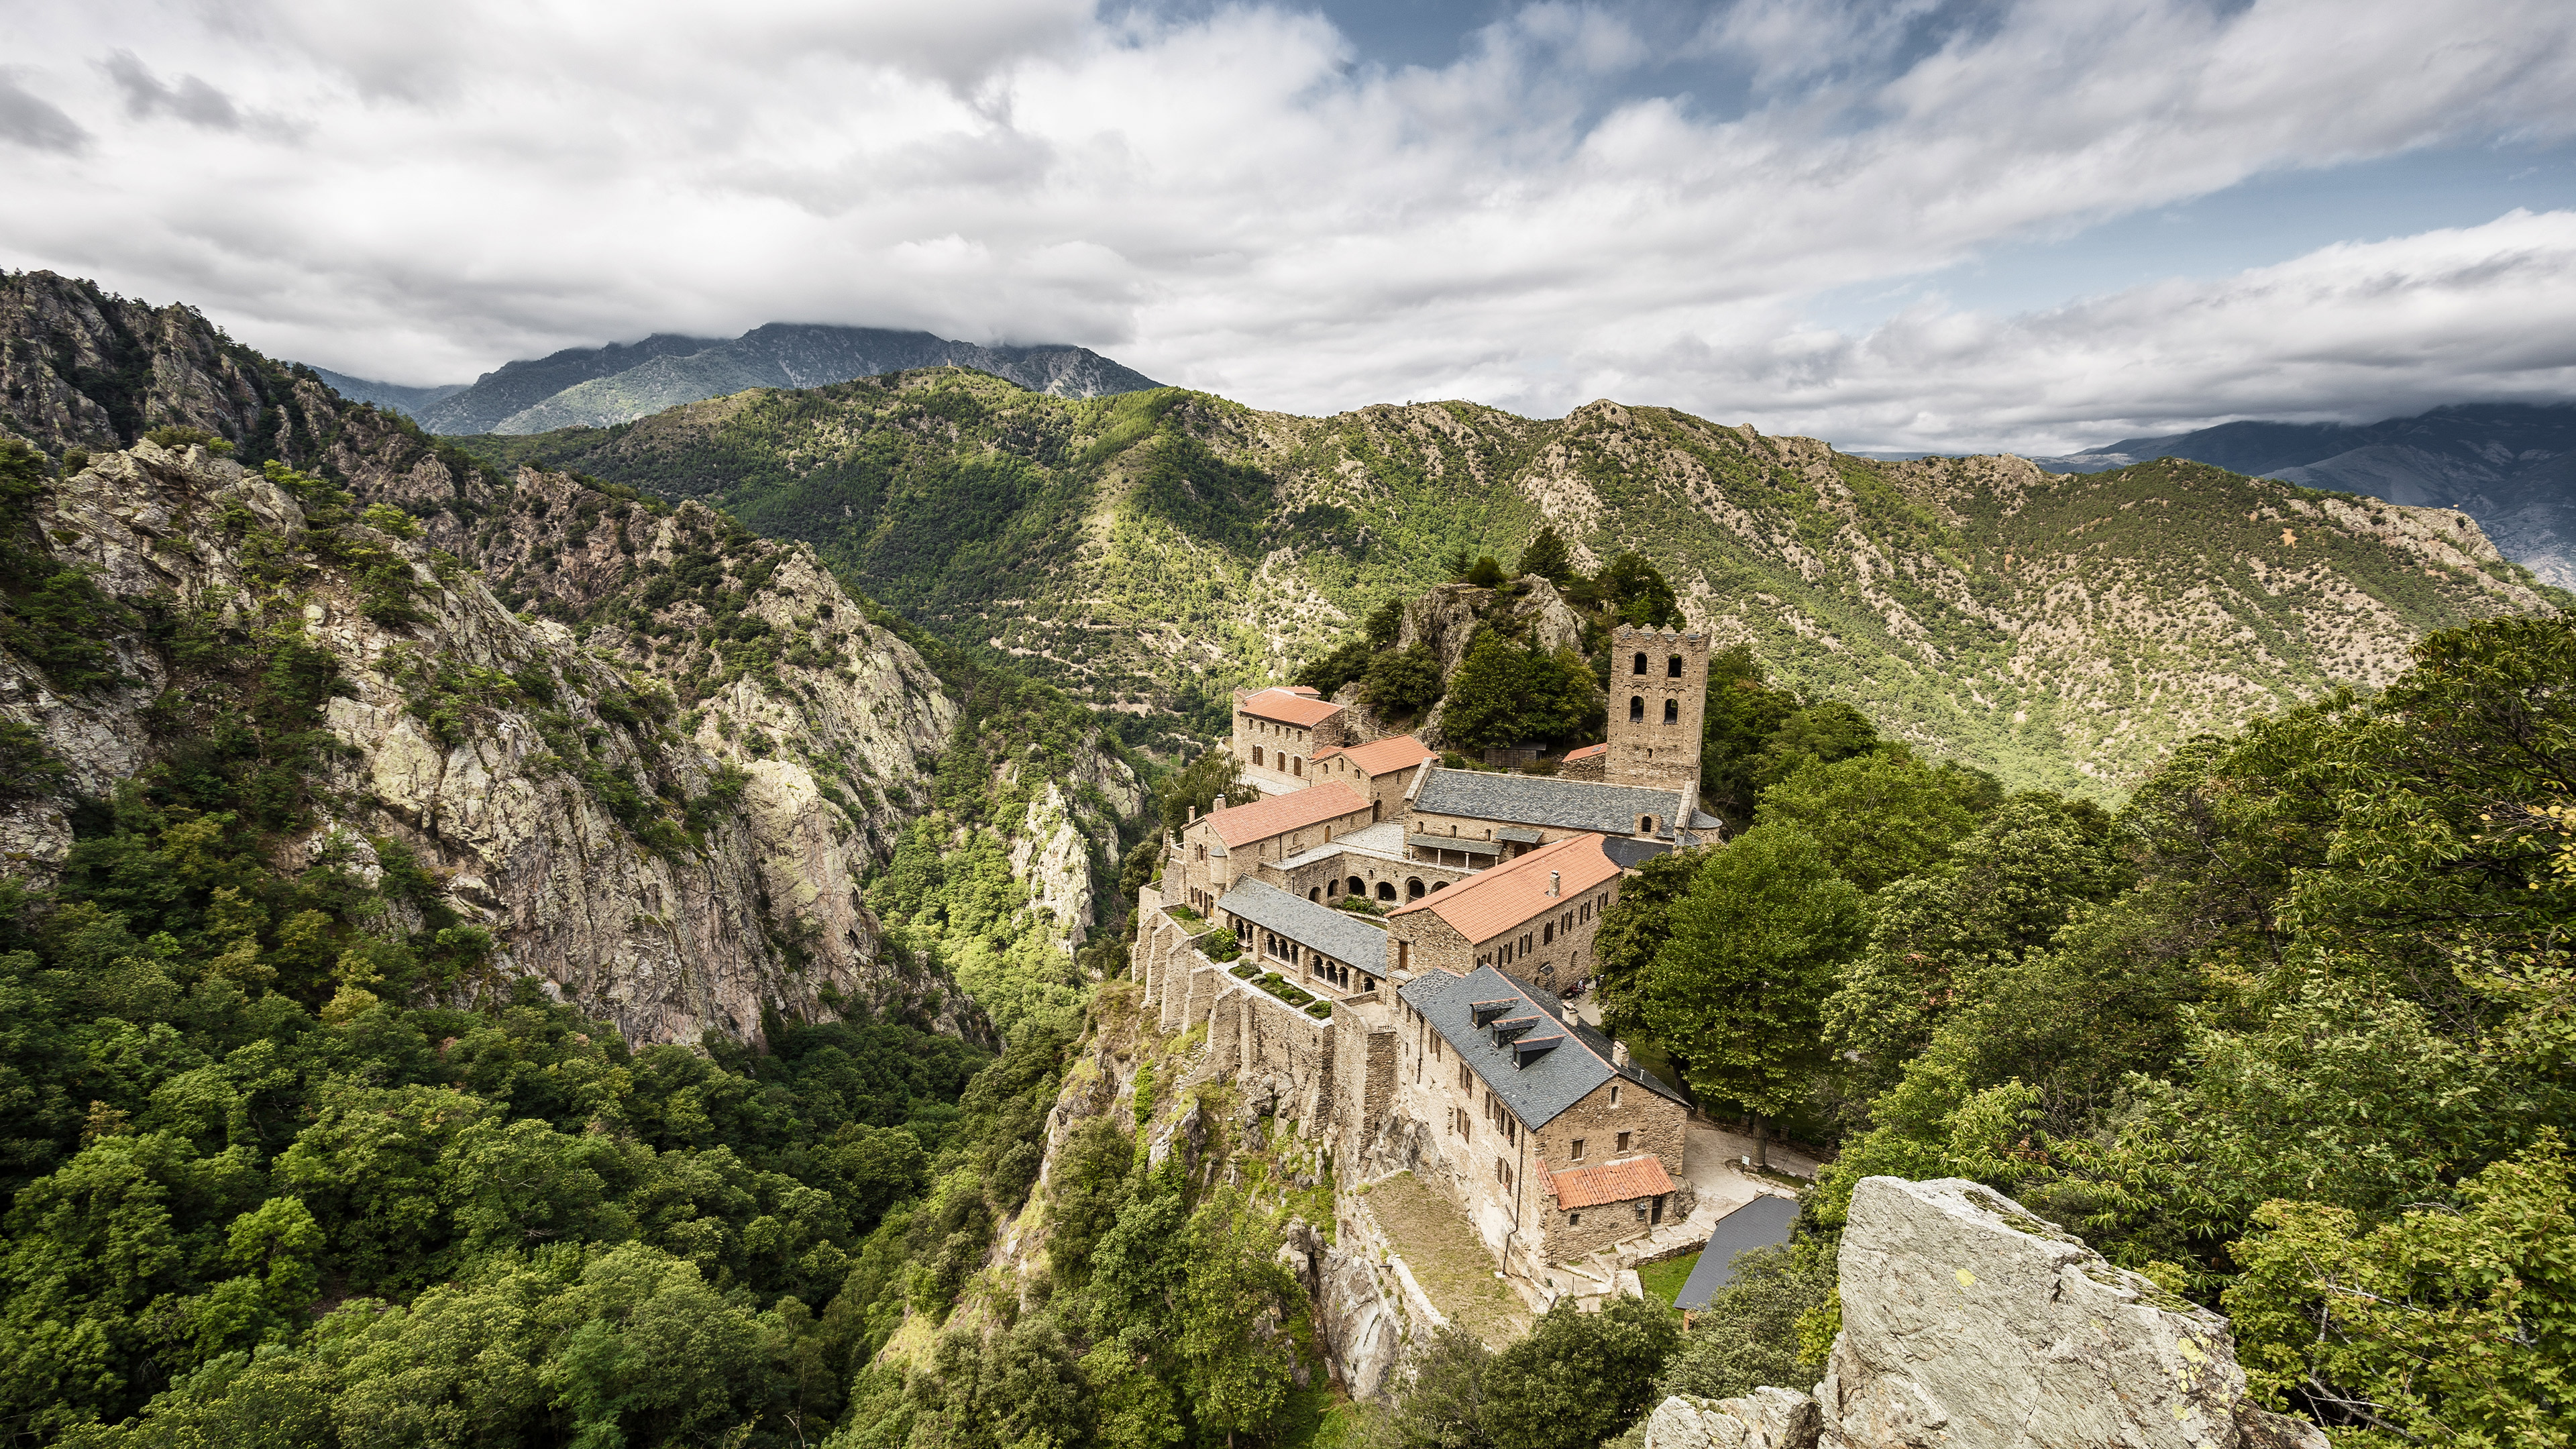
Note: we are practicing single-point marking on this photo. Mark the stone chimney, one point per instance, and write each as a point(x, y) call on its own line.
point(1619, 1054)
point(1194, 814)
point(1555, 881)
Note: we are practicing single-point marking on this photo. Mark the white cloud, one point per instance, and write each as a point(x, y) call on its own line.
point(1235, 201)
point(2484, 313)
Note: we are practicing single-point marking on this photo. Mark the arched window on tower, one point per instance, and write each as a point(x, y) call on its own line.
point(1640, 666)
point(1673, 667)
point(1636, 709)
point(1672, 711)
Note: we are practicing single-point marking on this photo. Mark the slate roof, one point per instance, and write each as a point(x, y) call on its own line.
point(1383, 757)
point(1241, 825)
point(1545, 800)
point(1338, 934)
point(1630, 852)
point(1289, 707)
point(1468, 844)
point(1622, 1181)
point(1537, 1089)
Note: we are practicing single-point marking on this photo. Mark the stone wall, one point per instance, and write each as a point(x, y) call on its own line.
point(1655, 1126)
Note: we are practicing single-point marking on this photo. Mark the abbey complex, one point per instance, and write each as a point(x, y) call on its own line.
point(1410, 938)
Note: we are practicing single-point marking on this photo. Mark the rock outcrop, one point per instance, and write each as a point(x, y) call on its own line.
point(538, 781)
point(1968, 1323)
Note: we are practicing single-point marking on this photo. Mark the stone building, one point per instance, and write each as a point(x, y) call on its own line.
point(1551, 1141)
point(1658, 693)
point(1278, 732)
point(1324, 951)
point(1534, 917)
point(1370, 862)
point(1381, 769)
point(1223, 846)
point(1476, 818)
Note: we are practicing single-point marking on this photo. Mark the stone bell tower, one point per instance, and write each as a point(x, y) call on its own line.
point(1658, 691)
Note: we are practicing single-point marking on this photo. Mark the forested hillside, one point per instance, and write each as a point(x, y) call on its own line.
point(1148, 552)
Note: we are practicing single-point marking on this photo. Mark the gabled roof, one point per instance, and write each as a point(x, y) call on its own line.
point(1243, 824)
point(1491, 902)
point(1587, 752)
point(1536, 1087)
point(1545, 800)
point(1338, 934)
point(1623, 1181)
point(1383, 757)
point(1289, 707)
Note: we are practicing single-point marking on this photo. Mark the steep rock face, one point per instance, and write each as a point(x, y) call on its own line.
point(1446, 620)
point(486, 742)
point(1970, 1324)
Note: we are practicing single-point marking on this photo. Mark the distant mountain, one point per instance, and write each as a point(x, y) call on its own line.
point(1149, 552)
point(407, 401)
point(2510, 466)
point(602, 386)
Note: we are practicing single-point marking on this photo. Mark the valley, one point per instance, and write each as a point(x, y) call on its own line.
point(903, 915)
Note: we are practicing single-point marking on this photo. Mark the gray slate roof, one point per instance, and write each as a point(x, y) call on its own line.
point(1627, 852)
point(1544, 1088)
point(1546, 800)
point(1338, 934)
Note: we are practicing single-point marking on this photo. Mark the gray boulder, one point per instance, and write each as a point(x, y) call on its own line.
point(1969, 1323)
point(1763, 1419)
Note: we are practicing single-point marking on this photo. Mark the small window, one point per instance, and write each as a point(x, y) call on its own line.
point(1673, 667)
point(1636, 709)
point(1624, 1138)
point(1547, 934)
point(1256, 757)
point(1614, 1094)
point(1298, 767)
point(1640, 666)
point(1574, 1151)
point(1672, 711)
point(1574, 1220)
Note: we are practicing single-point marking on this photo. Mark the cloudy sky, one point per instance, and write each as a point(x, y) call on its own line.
point(1896, 225)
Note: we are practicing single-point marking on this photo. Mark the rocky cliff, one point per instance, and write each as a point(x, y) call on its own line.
point(832, 721)
point(555, 795)
point(1970, 1324)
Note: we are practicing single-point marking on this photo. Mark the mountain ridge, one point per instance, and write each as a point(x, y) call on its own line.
point(1147, 552)
point(601, 386)
point(2511, 466)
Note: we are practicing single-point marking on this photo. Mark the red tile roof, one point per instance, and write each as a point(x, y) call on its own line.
point(1288, 707)
point(1491, 902)
point(1587, 752)
point(1624, 1181)
point(1381, 757)
point(1262, 819)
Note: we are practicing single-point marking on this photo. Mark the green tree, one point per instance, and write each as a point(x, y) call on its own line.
point(1737, 990)
point(1385, 624)
point(1760, 1328)
point(1443, 1407)
point(1241, 1317)
point(1485, 573)
point(1505, 694)
point(1740, 717)
point(1635, 592)
point(1404, 682)
point(1548, 557)
point(1579, 1377)
point(2453, 1325)
point(1636, 926)
point(1878, 817)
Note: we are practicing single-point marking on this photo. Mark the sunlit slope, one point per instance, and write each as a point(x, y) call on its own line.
point(1149, 551)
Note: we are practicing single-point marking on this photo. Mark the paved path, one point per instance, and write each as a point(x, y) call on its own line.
point(1758, 1224)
